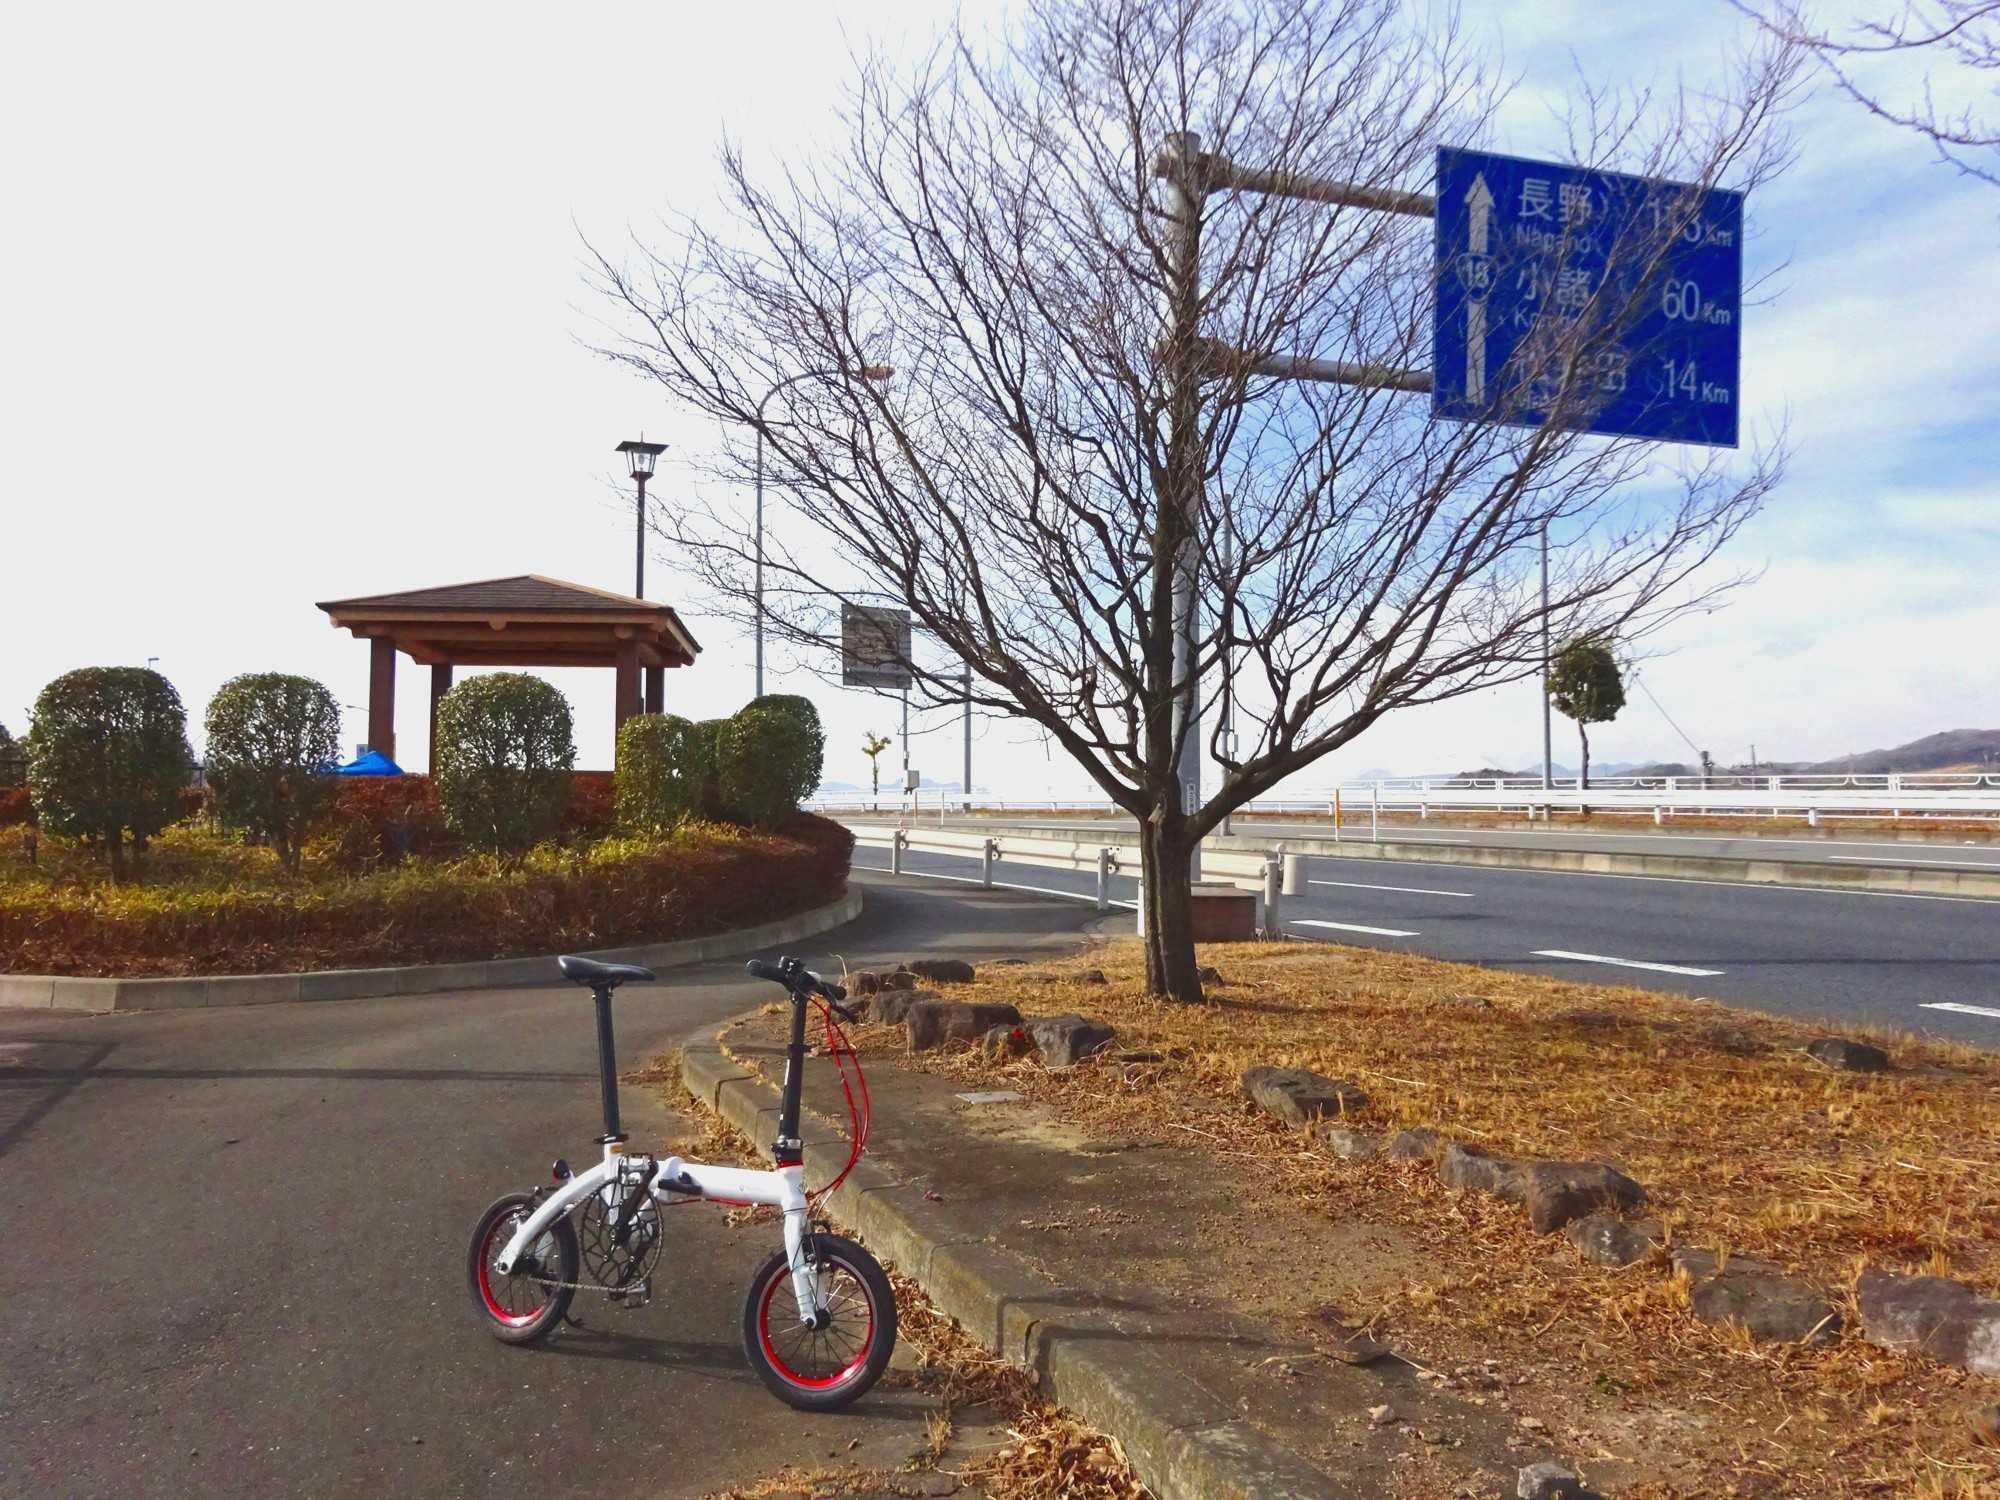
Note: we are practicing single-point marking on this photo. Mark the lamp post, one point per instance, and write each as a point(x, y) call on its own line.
point(868, 372)
point(641, 456)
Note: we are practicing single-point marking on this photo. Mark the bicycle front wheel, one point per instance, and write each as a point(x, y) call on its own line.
point(526, 1304)
point(821, 1368)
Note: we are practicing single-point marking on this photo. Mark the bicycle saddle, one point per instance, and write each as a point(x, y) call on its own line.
point(589, 971)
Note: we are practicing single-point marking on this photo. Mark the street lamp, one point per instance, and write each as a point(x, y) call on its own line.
point(876, 373)
point(641, 456)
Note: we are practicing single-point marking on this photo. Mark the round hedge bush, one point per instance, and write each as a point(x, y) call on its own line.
point(663, 770)
point(505, 751)
point(108, 757)
point(273, 741)
point(770, 758)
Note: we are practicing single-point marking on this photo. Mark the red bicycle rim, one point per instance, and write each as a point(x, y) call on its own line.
point(810, 1382)
point(486, 1253)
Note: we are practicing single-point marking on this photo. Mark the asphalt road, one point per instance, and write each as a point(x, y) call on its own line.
point(1943, 854)
point(1843, 956)
point(233, 1245)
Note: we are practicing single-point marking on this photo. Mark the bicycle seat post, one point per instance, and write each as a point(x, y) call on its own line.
point(607, 1062)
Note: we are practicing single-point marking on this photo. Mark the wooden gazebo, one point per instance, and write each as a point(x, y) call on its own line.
point(527, 621)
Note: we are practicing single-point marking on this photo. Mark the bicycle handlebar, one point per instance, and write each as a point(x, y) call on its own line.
point(800, 980)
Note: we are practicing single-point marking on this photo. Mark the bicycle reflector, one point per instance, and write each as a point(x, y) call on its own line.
point(560, 1171)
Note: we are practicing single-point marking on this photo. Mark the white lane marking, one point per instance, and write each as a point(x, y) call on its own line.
point(1350, 927)
point(1963, 1010)
point(1736, 885)
point(1961, 864)
point(1407, 890)
point(1625, 963)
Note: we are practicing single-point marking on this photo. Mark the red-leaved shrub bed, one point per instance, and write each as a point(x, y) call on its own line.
point(704, 878)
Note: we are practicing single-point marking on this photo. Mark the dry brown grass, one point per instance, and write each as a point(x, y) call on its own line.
point(1743, 1142)
point(1047, 1453)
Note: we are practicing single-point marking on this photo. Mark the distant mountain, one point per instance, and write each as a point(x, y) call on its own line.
point(1934, 752)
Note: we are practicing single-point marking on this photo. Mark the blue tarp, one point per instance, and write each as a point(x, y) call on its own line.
point(373, 763)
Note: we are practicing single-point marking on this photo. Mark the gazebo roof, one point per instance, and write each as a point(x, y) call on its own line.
point(524, 621)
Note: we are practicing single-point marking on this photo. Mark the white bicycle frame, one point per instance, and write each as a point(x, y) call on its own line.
point(782, 1189)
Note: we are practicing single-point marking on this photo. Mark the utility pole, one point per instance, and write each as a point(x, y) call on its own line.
point(1184, 196)
point(966, 784)
point(1548, 743)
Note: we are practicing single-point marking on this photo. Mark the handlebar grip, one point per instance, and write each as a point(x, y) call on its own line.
point(834, 992)
point(763, 968)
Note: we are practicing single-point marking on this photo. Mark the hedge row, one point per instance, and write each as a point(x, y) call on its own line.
point(705, 879)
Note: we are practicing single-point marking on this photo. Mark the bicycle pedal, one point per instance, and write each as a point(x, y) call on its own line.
point(633, 1297)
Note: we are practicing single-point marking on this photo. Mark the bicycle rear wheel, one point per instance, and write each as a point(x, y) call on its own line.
point(525, 1304)
point(824, 1368)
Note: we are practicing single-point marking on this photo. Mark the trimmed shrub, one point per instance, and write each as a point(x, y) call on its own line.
point(709, 744)
point(384, 820)
point(705, 878)
point(662, 772)
point(770, 761)
point(108, 757)
point(505, 753)
point(593, 808)
point(273, 739)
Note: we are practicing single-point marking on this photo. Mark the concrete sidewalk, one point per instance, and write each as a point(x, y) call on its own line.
point(1154, 1301)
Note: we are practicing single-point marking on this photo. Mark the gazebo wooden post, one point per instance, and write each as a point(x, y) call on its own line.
point(440, 685)
point(382, 695)
point(628, 683)
point(656, 690)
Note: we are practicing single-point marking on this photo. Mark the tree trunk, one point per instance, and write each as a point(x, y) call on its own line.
point(1170, 963)
point(1583, 734)
point(116, 847)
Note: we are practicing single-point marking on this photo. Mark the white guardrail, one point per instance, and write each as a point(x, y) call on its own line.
point(1907, 797)
point(1270, 876)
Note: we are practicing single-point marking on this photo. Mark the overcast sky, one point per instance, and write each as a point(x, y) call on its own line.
point(292, 310)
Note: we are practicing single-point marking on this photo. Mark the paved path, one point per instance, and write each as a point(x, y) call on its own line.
point(233, 1246)
point(1855, 849)
point(1852, 956)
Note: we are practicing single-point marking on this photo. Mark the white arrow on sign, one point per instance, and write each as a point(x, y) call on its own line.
point(1479, 199)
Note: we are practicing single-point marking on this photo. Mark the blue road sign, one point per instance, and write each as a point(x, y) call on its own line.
point(1636, 281)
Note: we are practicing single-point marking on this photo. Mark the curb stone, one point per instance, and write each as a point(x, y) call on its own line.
point(1183, 1442)
point(75, 992)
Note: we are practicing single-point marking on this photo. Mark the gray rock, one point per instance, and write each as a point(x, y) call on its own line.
point(1561, 1191)
point(1985, 1424)
point(1607, 1240)
point(1734, 1041)
point(901, 979)
point(892, 1006)
point(1466, 1169)
point(1934, 1315)
point(1090, 976)
point(1849, 1057)
point(1006, 963)
point(1351, 1145)
point(1066, 1040)
point(935, 1023)
point(1004, 1042)
point(866, 982)
point(1774, 1307)
point(1413, 1145)
point(1298, 1095)
point(1466, 1002)
point(942, 970)
point(1695, 1264)
point(1547, 1481)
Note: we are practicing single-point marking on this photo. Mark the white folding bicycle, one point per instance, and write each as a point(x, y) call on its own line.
point(818, 1348)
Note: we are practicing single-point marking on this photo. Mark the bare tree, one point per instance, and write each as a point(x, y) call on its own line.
point(1962, 36)
point(1066, 246)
